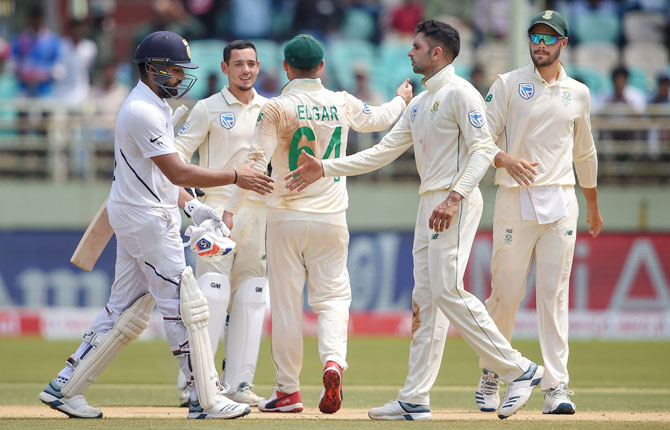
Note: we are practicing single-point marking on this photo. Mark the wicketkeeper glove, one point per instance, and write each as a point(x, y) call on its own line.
point(207, 240)
point(200, 213)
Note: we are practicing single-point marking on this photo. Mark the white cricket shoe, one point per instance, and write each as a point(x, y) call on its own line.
point(556, 401)
point(245, 395)
point(397, 410)
point(223, 408)
point(73, 407)
point(518, 391)
point(487, 394)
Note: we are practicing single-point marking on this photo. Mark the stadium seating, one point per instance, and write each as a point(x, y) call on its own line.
point(592, 27)
point(208, 54)
point(648, 56)
point(602, 57)
point(641, 26)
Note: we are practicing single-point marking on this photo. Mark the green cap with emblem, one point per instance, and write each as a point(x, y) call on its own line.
point(303, 52)
point(551, 18)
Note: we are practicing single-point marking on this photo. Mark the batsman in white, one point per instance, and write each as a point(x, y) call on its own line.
point(221, 129)
point(540, 113)
point(150, 266)
point(307, 232)
point(453, 149)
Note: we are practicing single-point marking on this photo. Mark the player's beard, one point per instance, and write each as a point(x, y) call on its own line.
point(551, 58)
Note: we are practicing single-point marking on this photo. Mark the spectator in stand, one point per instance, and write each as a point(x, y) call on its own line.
point(624, 93)
point(36, 53)
point(170, 15)
point(267, 84)
point(108, 96)
point(363, 89)
point(405, 17)
point(478, 79)
point(491, 19)
point(318, 18)
point(36, 57)
point(624, 101)
point(663, 89)
point(79, 54)
point(250, 19)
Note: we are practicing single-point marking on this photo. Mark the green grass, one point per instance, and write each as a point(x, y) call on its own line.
point(606, 376)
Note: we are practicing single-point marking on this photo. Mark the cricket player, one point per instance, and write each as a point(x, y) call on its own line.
point(221, 128)
point(150, 266)
point(307, 232)
point(453, 149)
point(540, 113)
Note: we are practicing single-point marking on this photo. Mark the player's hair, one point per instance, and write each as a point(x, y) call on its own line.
point(440, 33)
point(305, 72)
point(237, 44)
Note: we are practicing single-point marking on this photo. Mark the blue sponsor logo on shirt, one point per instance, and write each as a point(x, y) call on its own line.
point(227, 120)
point(183, 128)
point(412, 115)
point(366, 109)
point(526, 91)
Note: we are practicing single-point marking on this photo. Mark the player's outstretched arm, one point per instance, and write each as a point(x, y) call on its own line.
point(310, 171)
point(521, 170)
point(190, 175)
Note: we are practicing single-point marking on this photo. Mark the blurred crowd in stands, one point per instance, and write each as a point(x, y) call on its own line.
point(620, 49)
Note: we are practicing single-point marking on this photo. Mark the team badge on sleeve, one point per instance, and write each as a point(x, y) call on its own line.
point(526, 91)
point(183, 128)
point(476, 118)
point(366, 109)
point(227, 120)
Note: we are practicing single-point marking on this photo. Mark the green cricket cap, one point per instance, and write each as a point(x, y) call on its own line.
point(303, 52)
point(551, 18)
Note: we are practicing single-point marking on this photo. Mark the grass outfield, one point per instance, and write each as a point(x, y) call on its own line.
point(610, 380)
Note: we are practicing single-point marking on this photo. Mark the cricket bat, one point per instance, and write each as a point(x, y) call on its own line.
point(98, 233)
point(93, 241)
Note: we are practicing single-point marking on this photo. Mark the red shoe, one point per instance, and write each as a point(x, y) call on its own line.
point(331, 395)
point(281, 402)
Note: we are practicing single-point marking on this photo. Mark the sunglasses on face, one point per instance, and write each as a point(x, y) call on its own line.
point(547, 38)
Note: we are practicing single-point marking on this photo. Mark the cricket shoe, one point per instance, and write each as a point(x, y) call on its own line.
point(397, 410)
point(331, 394)
point(518, 391)
point(281, 402)
point(73, 407)
point(245, 395)
point(556, 401)
point(487, 394)
point(223, 408)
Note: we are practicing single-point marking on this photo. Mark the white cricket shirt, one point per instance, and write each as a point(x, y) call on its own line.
point(447, 126)
point(221, 128)
point(547, 123)
point(143, 130)
point(308, 116)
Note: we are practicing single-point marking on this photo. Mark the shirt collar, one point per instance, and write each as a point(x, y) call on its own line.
point(301, 85)
point(147, 92)
point(231, 99)
point(532, 70)
point(437, 81)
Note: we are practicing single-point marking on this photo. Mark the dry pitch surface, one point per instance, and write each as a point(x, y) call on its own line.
point(345, 414)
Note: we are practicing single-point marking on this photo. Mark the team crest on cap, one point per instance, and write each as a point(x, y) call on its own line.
point(412, 115)
point(227, 120)
point(476, 118)
point(526, 90)
point(548, 14)
point(188, 48)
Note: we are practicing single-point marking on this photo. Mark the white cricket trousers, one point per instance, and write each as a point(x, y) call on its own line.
point(515, 243)
point(438, 298)
point(307, 247)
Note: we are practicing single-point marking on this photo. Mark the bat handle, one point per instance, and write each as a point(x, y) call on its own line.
point(178, 113)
